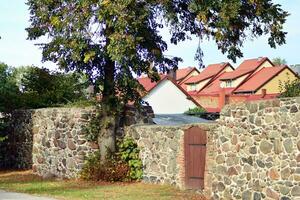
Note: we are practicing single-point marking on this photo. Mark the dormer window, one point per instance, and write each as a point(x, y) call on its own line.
point(193, 87)
point(229, 83)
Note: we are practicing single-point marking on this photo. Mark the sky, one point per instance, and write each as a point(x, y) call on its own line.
point(16, 50)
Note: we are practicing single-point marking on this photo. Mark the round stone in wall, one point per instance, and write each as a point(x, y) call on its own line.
point(265, 147)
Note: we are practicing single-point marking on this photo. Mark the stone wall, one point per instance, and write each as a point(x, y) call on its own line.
point(53, 141)
point(162, 152)
point(258, 151)
point(59, 141)
point(253, 151)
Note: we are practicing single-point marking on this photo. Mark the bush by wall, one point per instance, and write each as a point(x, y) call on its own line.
point(112, 169)
point(122, 165)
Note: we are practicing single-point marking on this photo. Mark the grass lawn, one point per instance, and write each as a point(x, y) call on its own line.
point(26, 182)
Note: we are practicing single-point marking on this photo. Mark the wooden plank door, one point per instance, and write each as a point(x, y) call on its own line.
point(195, 152)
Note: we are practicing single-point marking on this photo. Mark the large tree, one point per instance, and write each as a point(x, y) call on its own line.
point(114, 40)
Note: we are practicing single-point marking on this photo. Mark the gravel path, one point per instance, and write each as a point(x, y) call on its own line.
point(19, 196)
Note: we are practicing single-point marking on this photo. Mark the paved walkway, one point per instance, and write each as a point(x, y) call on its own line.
point(18, 196)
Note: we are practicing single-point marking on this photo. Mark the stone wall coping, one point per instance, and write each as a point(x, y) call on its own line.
point(58, 108)
point(207, 125)
point(245, 104)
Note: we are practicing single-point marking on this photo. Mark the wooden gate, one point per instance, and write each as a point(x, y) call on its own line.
point(195, 151)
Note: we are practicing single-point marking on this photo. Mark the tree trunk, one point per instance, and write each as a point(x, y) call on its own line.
point(107, 138)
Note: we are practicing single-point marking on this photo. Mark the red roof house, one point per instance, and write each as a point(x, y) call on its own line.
point(262, 77)
point(218, 84)
point(148, 84)
point(202, 80)
point(254, 79)
point(166, 96)
point(246, 67)
point(184, 73)
point(209, 72)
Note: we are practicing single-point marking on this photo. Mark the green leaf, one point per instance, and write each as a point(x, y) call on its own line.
point(89, 56)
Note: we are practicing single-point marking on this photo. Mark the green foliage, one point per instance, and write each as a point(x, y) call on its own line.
point(279, 61)
point(92, 129)
point(9, 98)
point(129, 152)
point(42, 88)
point(3, 138)
point(112, 41)
point(290, 88)
point(33, 87)
point(195, 111)
point(3, 127)
point(10, 94)
point(122, 165)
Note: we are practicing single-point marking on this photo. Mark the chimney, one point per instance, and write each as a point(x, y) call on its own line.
point(263, 92)
point(172, 74)
point(222, 98)
point(260, 58)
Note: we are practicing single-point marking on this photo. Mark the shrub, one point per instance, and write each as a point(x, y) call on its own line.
point(129, 152)
point(290, 88)
point(112, 169)
point(195, 111)
point(123, 165)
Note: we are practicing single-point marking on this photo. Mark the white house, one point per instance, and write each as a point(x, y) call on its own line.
point(167, 97)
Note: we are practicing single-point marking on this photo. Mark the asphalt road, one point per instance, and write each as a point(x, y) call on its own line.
point(19, 196)
point(177, 119)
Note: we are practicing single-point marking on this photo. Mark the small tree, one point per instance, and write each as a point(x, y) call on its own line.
point(279, 61)
point(290, 88)
point(111, 40)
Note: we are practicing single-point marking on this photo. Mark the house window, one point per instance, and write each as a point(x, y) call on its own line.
point(193, 87)
point(229, 83)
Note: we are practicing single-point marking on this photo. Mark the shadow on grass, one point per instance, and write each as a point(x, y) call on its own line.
point(26, 182)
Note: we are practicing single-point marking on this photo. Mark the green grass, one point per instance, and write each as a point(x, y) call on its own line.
point(26, 182)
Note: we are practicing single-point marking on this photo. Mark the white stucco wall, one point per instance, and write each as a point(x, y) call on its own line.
point(166, 98)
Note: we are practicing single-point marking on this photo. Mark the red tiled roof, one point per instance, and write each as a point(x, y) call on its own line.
point(258, 79)
point(183, 85)
point(208, 72)
point(245, 67)
point(192, 93)
point(148, 84)
point(215, 86)
point(182, 73)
